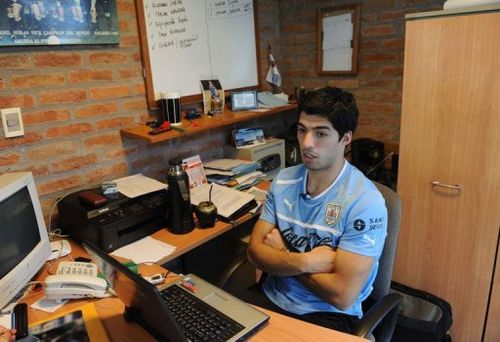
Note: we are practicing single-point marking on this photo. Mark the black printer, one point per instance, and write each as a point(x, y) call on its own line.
point(115, 221)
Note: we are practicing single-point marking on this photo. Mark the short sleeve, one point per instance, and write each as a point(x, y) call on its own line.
point(365, 226)
point(269, 211)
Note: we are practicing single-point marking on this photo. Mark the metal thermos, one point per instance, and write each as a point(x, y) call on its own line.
point(180, 215)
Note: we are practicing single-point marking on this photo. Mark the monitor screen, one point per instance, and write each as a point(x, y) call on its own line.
point(19, 230)
point(24, 241)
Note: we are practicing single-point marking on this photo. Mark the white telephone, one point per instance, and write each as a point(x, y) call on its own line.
point(75, 280)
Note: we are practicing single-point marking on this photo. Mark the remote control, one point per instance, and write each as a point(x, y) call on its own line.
point(20, 320)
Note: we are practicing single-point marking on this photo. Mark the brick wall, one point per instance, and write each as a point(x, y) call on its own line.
point(378, 84)
point(75, 99)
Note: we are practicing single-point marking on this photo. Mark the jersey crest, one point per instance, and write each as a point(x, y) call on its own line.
point(332, 213)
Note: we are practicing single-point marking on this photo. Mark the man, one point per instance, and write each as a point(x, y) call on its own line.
point(323, 225)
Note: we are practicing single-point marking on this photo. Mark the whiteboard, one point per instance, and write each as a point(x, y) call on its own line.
point(185, 41)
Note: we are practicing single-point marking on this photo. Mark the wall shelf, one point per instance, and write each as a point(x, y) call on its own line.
point(203, 124)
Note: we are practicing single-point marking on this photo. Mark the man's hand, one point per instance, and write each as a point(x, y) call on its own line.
point(321, 260)
point(274, 239)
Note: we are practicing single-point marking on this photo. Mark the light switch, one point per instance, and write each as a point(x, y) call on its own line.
point(12, 122)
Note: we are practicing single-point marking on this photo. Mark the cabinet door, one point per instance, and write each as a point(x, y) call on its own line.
point(450, 134)
point(492, 332)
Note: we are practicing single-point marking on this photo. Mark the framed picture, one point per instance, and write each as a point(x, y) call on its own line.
point(213, 96)
point(243, 100)
point(63, 22)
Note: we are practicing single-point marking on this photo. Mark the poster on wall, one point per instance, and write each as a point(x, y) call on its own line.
point(62, 22)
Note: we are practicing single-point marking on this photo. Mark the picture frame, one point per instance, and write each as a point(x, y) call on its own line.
point(244, 100)
point(213, 96)
point(338, 40)
point(31, 23)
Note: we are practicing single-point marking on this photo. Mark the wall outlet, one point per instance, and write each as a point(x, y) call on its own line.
point(12, 122)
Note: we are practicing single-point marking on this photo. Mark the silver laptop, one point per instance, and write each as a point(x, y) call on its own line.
point(154, 310)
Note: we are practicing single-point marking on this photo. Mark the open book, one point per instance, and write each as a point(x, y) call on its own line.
point(230, 203)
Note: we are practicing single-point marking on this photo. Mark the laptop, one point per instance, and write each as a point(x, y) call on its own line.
point(155, 311)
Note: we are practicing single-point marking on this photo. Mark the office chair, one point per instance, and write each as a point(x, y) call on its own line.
point(381, 307)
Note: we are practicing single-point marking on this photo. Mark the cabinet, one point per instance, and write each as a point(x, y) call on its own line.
point(450, 133)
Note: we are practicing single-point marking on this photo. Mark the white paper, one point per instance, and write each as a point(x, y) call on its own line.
point(225, 164)
point(227, 200)
point(337, 31)
point(48, 305)
point(6, 320)
point(138, 185)
point(145, 250)
point(337, 59)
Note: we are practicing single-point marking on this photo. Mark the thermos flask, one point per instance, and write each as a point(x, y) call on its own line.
point(180, 215)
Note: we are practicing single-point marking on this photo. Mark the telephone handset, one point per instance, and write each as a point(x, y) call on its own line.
point(75, 280)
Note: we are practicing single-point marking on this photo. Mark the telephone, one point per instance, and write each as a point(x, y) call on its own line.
point(75, 280)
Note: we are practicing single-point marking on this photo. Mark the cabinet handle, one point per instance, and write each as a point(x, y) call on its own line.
point(448, 186)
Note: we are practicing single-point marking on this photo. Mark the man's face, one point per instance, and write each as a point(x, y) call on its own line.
point(319, 142)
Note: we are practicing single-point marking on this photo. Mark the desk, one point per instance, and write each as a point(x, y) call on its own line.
point(110, 312)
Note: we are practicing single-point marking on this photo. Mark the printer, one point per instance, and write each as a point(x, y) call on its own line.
point(116, 222)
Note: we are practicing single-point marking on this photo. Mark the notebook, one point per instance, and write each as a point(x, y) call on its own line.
point(145, 305)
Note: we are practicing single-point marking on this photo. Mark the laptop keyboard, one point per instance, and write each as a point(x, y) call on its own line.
point(199, 321)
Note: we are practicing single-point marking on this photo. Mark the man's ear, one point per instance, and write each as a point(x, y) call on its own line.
point(347, 138)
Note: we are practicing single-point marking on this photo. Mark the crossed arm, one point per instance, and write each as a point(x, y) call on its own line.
point(336, 276)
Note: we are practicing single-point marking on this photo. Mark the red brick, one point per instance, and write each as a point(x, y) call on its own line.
point(116, 123)
point(136, 104)
point(380, 108)
point(96, 110)
point(379, 57)
point(381, 30)
point(45, 116)
point(130, 73)
point(63, 96)
point(397, 44)
point(23, 101)
point(69, 130)
point(129, 41)
point(59, 184)
point(137, 57)
point(107, 58)
point(345, 83)
point(392, 70)
point(139, 89)
point(120, 153)
point(38, 170)
point(83, 76)
point(28, 138)
point(37, 80)
point(9, 159)
point(57, 59)
point(14, 62)
point(102, 140)
point(97, 175)
point(48, 151)
point(392, 16)
point(74, 163)
point(2, 84)
point(110, 92)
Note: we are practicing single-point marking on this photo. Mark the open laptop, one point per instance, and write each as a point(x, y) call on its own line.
point(146, 305)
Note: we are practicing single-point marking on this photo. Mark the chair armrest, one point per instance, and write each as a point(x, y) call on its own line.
point(377, 313)
point(239, 261)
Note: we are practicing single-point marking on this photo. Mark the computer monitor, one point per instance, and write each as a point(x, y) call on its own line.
point(24, 242)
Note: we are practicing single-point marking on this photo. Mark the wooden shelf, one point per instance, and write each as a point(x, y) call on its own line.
point(203, 124)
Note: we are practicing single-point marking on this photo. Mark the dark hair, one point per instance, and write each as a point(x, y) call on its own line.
point(337, 105)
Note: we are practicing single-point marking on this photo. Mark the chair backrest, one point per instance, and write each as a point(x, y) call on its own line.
point(382, 283)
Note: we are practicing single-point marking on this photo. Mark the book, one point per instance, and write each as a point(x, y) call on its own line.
point(82, 324)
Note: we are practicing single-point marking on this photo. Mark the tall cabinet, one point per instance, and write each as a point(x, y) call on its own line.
point(449, 166)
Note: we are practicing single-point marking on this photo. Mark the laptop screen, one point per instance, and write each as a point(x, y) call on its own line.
point(142, 300)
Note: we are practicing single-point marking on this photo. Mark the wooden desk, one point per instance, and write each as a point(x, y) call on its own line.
point(202, 124)
point(110, 311)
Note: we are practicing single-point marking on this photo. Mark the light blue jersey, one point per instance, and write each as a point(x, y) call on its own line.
point(350, 215)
